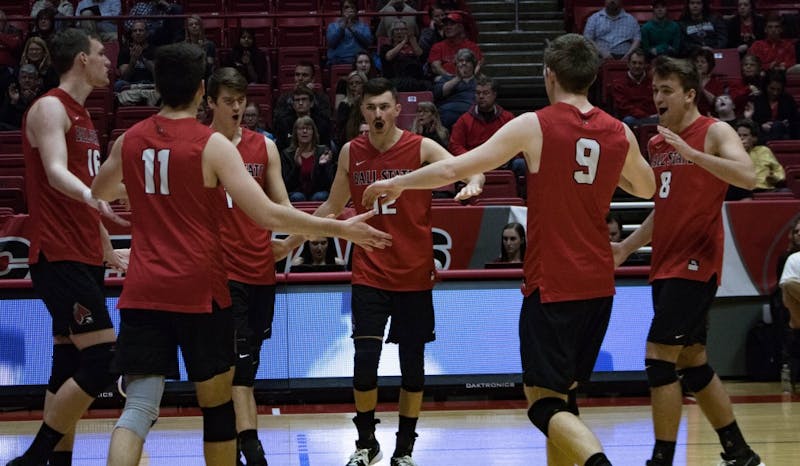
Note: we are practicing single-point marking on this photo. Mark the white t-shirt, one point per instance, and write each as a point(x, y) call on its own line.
point(791, 271)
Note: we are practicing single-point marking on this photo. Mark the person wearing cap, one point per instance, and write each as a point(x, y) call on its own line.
point(442, 58)
point(614, 31)
point(408, 16)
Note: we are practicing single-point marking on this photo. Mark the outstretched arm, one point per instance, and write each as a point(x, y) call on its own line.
point(637, 177)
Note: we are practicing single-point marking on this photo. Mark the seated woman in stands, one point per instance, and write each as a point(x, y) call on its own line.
point(37, 54)
point(362, 62)
point(427, 123)
point(748, 86)
point(317, 252)
point(402, 59)
point(307, 166)
point(775, 110)
point(195, 34)
point(745, 27)
point(249, 59)
point(512, 246)
point(350, 104)
point(712, 86)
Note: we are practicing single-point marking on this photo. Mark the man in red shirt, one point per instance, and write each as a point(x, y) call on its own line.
point(176, 293)
point(248, 253)
point(694, 158)
point(68, 243)
point(633, 95)
point(569, 279)
point(394, 282)
point(774, 52)
point(442, 57)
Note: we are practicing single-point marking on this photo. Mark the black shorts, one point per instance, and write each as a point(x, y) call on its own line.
point(559, 342)
point(680, 311)
point(253, 310)
point(411, 312)
point(148, 343)
point(74, 295)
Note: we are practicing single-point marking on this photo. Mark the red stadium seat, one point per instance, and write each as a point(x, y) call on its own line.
point(13, 198)
point(727, 63)
point(405, 120)
point(214, 30)
point(787, 152)
point(515, 201)
point(261, 27)
point(247, 6)
point(793, 86)
point(793, 179)
point(499, 184)
point(284, 6)
point(290, 56)
point(12, 181)
point(12, 164)
point(610, 71)
point(259, 93)
point(10, 142)
point(409, 100)
point(201, 6)
point(125, 117)
point(305, 31)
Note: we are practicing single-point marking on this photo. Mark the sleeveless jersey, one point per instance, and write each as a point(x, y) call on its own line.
point(408, 264)
point(62, 228)
point(569, 256)
point(176, 257)
point(247, 246)
point(687, 231)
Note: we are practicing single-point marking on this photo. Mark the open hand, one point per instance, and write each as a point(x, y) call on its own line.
point(383, 190)
point(118, 259)
point(677, 142)
point(360, 233)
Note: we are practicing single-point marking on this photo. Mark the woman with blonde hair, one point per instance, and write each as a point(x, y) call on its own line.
point(196, 34)
point(428, 123)
point(37, 54)
point(307, 166)
point(348, 109)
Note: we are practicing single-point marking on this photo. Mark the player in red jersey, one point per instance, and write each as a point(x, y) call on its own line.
point(396, 281)
point(577, 155)
point(175, 293)
point(694, 158)
point(248, 253)
point(68, 242)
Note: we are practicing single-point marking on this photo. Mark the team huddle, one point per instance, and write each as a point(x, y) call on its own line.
point(200, 274)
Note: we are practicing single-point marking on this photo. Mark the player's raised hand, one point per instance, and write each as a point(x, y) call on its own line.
point(383, 190)
point(104, 208)
point(469, 190)
point(360, 233)
point(118, 259)
point(677, 142)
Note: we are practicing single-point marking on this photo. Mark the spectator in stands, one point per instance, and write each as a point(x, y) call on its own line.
point(317, 251)
point(614, 228)
point(349, 105)
point(37, 54)
point(135, 66)
point(249, 59)
point(204, 113)
point(711, 85)
point(19, 96)
point(363, 63)
point(774, 52)
point(44, 24)
point(304, 73)
point(745, 27)
point(769, 172)
point(748, 87)
point(347, 35)
point(428, 123)
point(251, 119)
point(442, 58)
point(725, 110)
point(195, 34)
point(307, 166)
point(397, 6)
point(454, 95)
point(614, 31)
point(59, 8)
point(434, 32)
point(402, 60)
point(700, 28)
point(161, 31)
point(107, 30)
point(661, 35)
point(10, 43)
point(512, 243)
point(632, 95)
point(302, 104)
point(775, 110)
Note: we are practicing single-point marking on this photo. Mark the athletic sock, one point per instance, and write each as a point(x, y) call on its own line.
point(731, 439)
point(365, 424)
point(251, 447)
point(598, 459)
point(60, 458)
point(663, 452)
point(405, 436)
point(43, 444)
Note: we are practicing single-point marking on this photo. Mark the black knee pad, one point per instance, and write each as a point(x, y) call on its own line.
point(543, 410)
point(245, 367)
point(365, 363)
point(572, 402)
point(659, 372)
point(93, 374)
point(66, 359)
point(696, 378)
point(412, 367)
point(219, 423)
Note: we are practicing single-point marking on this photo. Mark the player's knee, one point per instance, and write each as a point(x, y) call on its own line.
point(572, 402)
point(696, 378)
point(66, 359)
point(219, 423)
point(143, 397)
point(412, 367)
point(543, 410)
point(365, 363)
point(660, 372)
point(245, 368)
point(93, 374)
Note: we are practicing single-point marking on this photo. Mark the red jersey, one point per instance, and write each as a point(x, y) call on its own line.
point(408, 264)
point(569, 256)
point(445, 51)
point(62, 228)
point(176, 256)
point(687, 230)
point(246, 245)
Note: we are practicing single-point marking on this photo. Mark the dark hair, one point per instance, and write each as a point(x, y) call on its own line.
point(685, 71)
point(302, 89)
point(613, 218)
point(483, 80)
point(523, 240)
point(307, 64)
point(636, 51)
point(49, 13)
point(774, 17)
point(373, 71)
point(179, 70)
point(707, 54)
point(377, 86)
point(227, 77)
point(330, 253)
point(575, 61)
point(65, 46)
point(777, 76)
point(749, 124)
point(706, 12)
point(435, 6)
